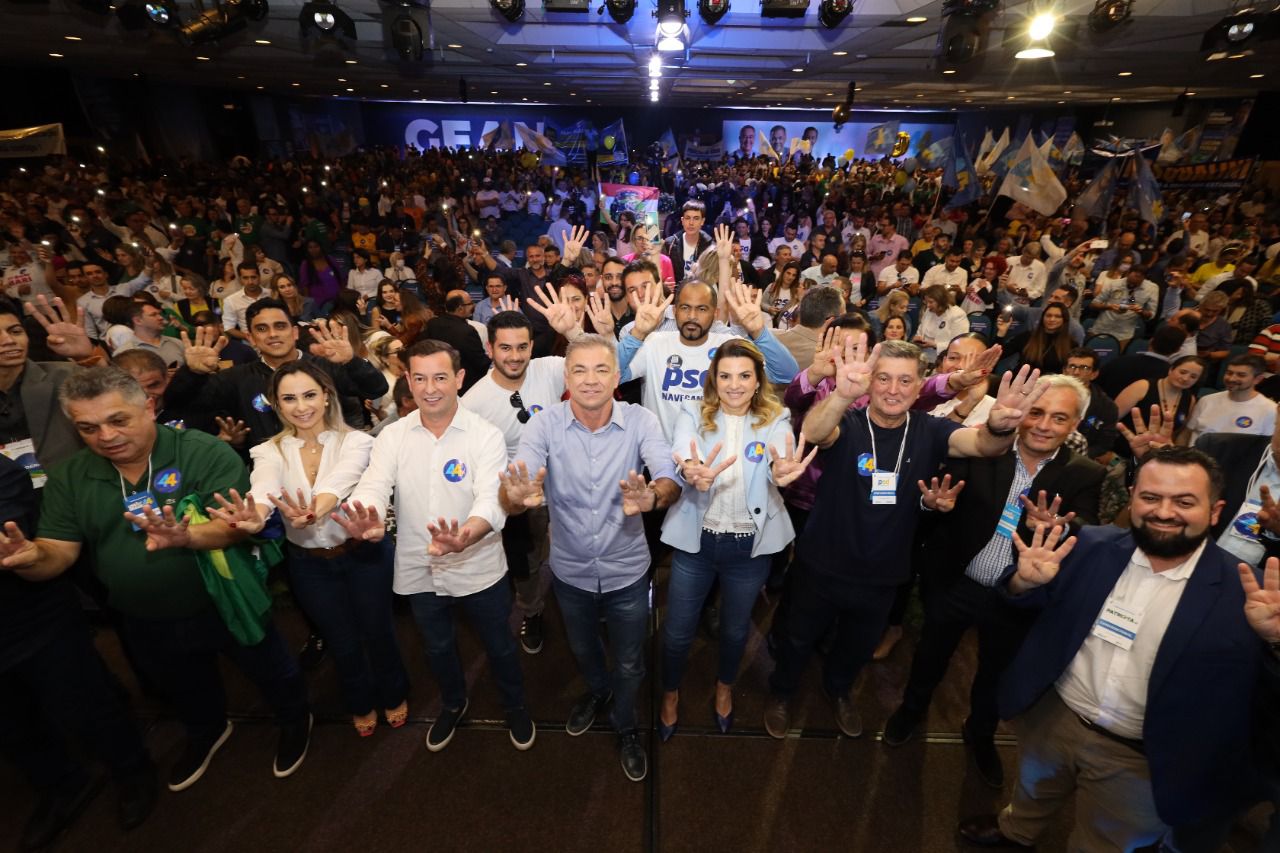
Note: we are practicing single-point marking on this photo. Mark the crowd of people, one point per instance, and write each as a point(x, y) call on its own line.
point(347, 372)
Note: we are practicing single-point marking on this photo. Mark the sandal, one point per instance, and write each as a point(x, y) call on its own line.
point(397, 716)
point(366, 724)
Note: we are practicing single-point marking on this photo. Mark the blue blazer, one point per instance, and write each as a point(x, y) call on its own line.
point(1197, 725)
point(682, 528)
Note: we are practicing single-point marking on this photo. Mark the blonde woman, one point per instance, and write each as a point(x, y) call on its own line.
point(305, 471)
point(735, 450)
point(893, 304)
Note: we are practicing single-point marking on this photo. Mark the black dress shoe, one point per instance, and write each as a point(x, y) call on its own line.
point(635, 763)
point(56, 811)
point(583, 713)
point(985, 757)
point(137, 797)
point(901, 727)
point(984, 831)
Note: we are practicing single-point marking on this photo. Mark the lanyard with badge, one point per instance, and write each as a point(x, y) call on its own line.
point(884, 484)
point(1245, 526)
point(138, 503)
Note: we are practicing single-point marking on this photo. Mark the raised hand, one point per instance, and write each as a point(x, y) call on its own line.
point(559, 314)
point(520, 488)
point(16, 550)
point(360, 522)
point(854, 367)
point(599, 312)
point(650, 307)
point(1039, 562)
point(940, 496)
point(331, 342)
point(508, 303)
point(1146, 436)
point(1015, 398)
point(637, 497)
point(702, 474)
point(1040, 513)
point(163, 528)
point(64, 327)
point(299, 512)
point(824, 357)
point(744, 306)
point(1261, 603)
point(786, 469)
point(232, 431)
point(204, 353)
point(448, 538)
point(573, 243)
point(239, 512)
point(974, 369)
point(724, 241)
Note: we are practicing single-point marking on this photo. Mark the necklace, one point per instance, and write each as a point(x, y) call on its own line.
point(1164, 399)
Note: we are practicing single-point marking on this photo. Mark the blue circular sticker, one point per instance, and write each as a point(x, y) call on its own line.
point(866, 464)
point(754, 451)
point(1248, 526)
point(260, 403)
point(1244, 422)
point(454, 470)
point(534, 409)
point(167, 480)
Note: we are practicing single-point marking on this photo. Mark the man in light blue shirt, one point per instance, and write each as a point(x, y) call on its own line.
point(581, 458)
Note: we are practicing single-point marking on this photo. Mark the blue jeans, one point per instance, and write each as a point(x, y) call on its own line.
point(349, 599)
point(626, 615)
point(728, 558)
point(489, 612)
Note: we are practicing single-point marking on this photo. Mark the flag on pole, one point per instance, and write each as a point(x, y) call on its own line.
point(1095, 201)
point(1073, 151)
point(881, 139)
point(959, 175)
point(937, 154)
point(1146, 191)
point(1030, 181)
point(985, 164)
point(798, 144)
point(1051, 154)
point(613, 139)
point(668, 142)
point(499, 138)
point(988, 142)
point(767, 150)
point(538, 143)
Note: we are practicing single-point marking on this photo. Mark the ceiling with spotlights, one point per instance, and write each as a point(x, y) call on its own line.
point(887, 46)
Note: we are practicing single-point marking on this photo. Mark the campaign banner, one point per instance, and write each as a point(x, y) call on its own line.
point(641, 201)
point(1224, 174)
point(748, 136)
point(712, 151)
point(613, 145)
point(423, 128)
point(574, 140)
point(39, 141)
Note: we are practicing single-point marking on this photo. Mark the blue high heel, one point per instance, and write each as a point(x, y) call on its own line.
point(724, 722)
point(665, 732)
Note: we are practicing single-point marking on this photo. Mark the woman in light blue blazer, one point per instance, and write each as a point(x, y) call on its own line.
point(729, 519)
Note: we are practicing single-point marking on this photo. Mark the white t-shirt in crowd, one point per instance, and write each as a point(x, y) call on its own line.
point(30, 275)
point(942, 328)
point(976, 417)
point(890, 276)
point(673, 372)
point(797, 247)
point(543, 386)
point(1219, 413)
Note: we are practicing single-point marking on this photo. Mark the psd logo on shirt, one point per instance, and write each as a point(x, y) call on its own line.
point(455, 470)
point(866, 464)
point(260, 403)
point(168, 480)
point(754, 451)
point(1244, 422)
point(1247, 526)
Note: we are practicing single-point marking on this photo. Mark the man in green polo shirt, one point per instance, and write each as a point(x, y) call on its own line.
point(117, 497)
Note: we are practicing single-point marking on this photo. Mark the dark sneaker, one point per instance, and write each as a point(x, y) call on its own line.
point(522, 729)
point(56, 811)
point(195, 760)
point(137, 797)
point(635, 763)
point(847, 717)
point(901, 727)
point(312, 653)
point(584, 712)
point(441, 731)
point(292, 748)
point(985, 757)
point(777, 717)
point(531, 634)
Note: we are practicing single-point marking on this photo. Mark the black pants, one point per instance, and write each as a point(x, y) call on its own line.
point(859, 612)
point(951, 607)
point(785, 563)
point(64, 688)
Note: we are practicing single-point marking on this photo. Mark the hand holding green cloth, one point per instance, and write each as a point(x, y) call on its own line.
point(236, 578)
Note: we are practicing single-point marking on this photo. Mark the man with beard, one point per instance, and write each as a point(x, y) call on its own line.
point(1133, 687)
point(674, 364)
point(611, 277)
point(511, 394)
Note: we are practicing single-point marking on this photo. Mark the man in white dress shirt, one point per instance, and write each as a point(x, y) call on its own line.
point(443, 466)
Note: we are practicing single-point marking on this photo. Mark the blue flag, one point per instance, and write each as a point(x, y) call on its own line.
point(881, 139)
point(960, 175)
point(613, 145)
point(1146, 191)
point(668, 142)
point(1095, 200)
point(937, 154)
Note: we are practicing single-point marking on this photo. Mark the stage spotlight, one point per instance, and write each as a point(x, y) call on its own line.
point(1240, 28)
point(133, 15)
point(713, 10)
point(325, 17)
point(671, 15)
point(831, 13)
point(512, 10)
point(406, 38)
point(620, 10)
point(1109, 14)
point(963, 34)
point(161, 12)
point(843, 112)
point(220, 21)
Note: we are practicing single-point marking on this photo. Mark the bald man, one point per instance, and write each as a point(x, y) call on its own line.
point(454, 328)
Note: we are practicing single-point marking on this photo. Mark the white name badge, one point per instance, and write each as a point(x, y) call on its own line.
point(24, 453)
point(884, 488)
point(1117, 625)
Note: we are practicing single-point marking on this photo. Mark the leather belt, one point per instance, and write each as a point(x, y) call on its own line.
point(328, 553)
point(1134, 744)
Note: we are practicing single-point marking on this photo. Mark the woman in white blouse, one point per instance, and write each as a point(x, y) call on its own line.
point(940, 320)
point(735, 450)
point(304, 472)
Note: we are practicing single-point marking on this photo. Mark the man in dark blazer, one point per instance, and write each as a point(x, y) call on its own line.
point(964, 557)
point(686, 247)
point(1134, 685)
point(454, 329)
point(1098, 426)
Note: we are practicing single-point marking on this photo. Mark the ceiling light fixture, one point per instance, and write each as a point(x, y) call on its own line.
point(620, 10)
point(1109, 14)
point(512, 10)
point(1243, 26)
point(712, 11)
point(323, 17)
point(161, 12)
point(405, 34)
point(219, 21)
point(831, 13)
point(671, 16)
point(843, 112)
